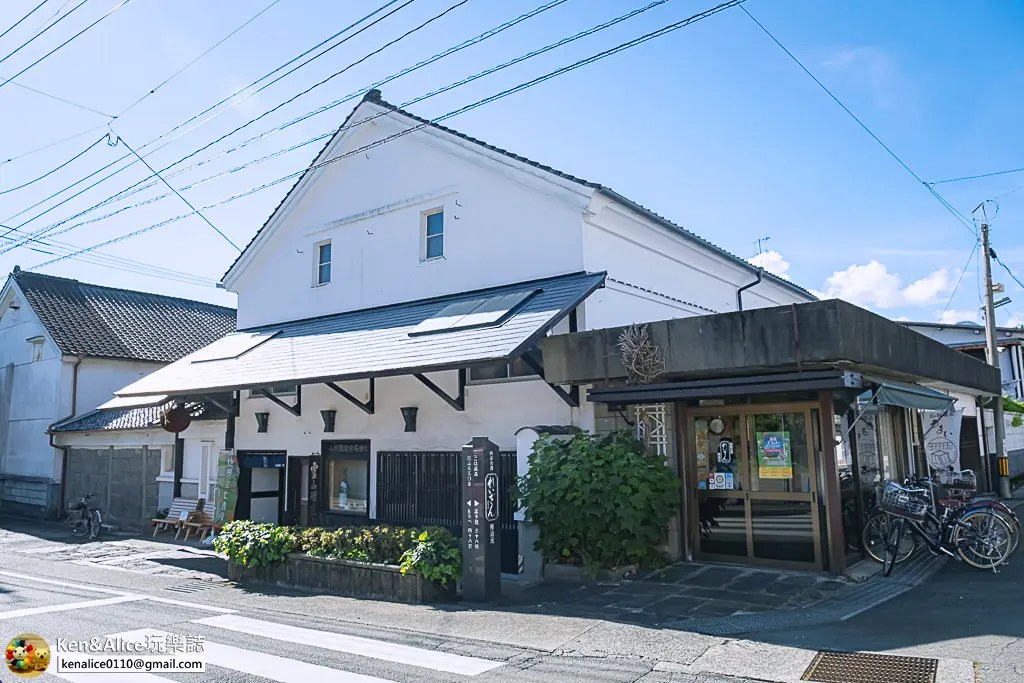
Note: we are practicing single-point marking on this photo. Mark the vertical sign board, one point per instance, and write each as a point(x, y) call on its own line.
point(481, 535)
point(227, 487)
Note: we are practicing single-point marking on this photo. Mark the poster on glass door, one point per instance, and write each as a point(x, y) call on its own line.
point(774, 456)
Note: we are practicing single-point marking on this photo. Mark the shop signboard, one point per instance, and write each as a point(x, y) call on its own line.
point(700, 429)
point(774, 456)
point(227, 487)
point(481, 535)
point(942, 438)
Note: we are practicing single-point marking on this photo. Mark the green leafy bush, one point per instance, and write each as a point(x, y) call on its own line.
point(436, 556)
point(598, 501)
point(433, 553)
point(252, 544)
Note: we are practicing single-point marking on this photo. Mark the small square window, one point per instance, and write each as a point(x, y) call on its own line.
point(433, 245)
point(323, 263)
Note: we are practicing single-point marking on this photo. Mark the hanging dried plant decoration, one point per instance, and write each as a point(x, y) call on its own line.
point(642, 358)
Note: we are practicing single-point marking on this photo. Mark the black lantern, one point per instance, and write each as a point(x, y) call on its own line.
point(261, 422)
point(409, 415)
point(328, 416)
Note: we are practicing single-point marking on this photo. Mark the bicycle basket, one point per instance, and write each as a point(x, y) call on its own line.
point(899, 502)
point(965, 481)
point(76, 505)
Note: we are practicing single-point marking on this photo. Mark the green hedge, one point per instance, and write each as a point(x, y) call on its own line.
point(433, 553)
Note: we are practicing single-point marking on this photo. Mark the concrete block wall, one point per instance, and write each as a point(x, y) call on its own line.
point(123, 481)
point(28, 497)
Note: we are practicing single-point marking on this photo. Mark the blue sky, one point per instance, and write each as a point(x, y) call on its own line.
point(712, 126)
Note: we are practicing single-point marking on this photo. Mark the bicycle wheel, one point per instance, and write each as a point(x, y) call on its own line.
point(70, 521)
point(81, 528)
point(892, 544)
point(983, 539)
point(95, 526)
point(874, 536)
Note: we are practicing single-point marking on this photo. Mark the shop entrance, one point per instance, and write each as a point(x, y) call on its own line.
point(753, 477)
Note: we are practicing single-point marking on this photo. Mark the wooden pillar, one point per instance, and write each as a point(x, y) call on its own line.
point(179, 463)
point(833, 497)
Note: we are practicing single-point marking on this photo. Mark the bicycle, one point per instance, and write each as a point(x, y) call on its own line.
point(978, 536)
point(82, 519)
point(875, 531)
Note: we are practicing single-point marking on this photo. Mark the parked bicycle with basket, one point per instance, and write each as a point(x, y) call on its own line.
point(947, 491)
point(976, 535)
point(82, 519)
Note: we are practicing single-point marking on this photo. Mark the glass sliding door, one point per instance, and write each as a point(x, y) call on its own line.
point(755, 485)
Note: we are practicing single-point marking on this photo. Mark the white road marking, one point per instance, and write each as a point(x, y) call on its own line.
point(182, 603)
point(271, 667)
point(86, 604)
point(365, 647)
point(62, 584)
point(133, 596)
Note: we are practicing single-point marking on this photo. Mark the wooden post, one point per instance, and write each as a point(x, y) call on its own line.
point(179, 463)
point(833, 496)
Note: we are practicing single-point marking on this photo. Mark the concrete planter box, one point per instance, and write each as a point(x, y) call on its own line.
point(573, 573)
point(342, 577)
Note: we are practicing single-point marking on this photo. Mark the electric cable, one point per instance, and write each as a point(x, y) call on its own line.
point(18, 22)
point(54, 97)
point(967, 265)
point(423, 123)
point(42, 31)
point(180, 125)
point(975, 177)
point(1009, 272)
point(956, 214)
point(109, 12)
point(55, 169)
point(533, 53)
point(51, 144)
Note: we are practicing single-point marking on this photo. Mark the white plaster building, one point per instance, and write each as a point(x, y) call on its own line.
point(65, 347)
point(970, 338)
point(401, 224)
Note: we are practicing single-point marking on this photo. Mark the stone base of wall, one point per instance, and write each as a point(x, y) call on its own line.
point(342, 577)
point(30, 497)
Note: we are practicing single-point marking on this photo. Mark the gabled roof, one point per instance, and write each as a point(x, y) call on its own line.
point(374, 97)
point(104, 322)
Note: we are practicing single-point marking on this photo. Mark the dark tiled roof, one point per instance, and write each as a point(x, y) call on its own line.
point(105, 322)
point(374, 96)
point(147, 417)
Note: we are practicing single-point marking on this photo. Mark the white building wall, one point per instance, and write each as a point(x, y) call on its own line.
point(499, 227)
point(99, 378)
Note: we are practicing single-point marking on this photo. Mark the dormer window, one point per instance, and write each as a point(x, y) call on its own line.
point(323, 263)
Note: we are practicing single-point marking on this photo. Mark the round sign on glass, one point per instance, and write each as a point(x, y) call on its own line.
point(717, 425)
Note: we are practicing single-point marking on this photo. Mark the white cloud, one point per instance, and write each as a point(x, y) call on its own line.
point(953, 316)
point(873, 285)
point(869, 67)
point(1015, 320)
point(773, 262)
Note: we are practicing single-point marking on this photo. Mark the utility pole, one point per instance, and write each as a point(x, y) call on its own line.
point(993, 359)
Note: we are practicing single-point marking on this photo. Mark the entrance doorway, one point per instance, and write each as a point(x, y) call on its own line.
point(753, 476)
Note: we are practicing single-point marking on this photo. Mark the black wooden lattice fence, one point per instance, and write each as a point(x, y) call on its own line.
point(422, 488)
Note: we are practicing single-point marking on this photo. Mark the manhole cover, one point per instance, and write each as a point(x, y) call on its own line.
point(862, 667)
point(196, 586)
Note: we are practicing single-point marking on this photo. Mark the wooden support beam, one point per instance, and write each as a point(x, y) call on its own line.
point(229, 409)
point(296, 409)
point(459, 402)
point(571, 397)
point(365, 407)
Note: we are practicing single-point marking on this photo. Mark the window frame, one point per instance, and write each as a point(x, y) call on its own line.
point(425, 237)
point(318, 264)
point(326, 457)
point(509, 377)
point(254, 393)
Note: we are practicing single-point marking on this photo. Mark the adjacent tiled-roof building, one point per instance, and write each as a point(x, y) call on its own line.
point(105, 322)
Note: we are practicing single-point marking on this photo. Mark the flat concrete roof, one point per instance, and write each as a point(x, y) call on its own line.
point(808, 336)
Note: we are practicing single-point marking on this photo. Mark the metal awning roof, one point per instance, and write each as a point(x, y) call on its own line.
point(369, 343)
point(892, 393)
point(726, 386)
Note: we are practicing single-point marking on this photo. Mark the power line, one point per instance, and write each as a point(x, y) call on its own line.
point(180, 125)
point(54, 97)
point(203, 54)
point(970, 257)
point(956, 214)
point(55, 169)
point(974, 177)
point(424, 122)
point(30, 13)
point(1010, 272)
point(180, 196)
point(135, 188)
point(109, 12)
point(51, 144)
point(42, 31)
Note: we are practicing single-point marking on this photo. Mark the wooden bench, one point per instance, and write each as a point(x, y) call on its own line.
point(198, 521)
point(173, 519)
